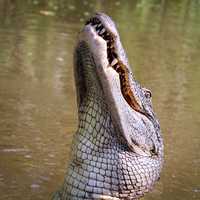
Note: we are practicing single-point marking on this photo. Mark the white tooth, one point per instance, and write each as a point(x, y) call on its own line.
point(114, 62)
point(95, 26)
point(99, 25)
point(102, 31)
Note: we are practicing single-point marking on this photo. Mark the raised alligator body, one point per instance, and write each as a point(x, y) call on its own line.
point(117, 151)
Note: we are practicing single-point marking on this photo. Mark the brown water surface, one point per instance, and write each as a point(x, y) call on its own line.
point(37, 92)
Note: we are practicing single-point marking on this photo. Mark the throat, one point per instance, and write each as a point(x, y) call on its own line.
point(95, 124)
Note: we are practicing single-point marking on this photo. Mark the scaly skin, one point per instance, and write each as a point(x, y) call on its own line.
point(117, 152)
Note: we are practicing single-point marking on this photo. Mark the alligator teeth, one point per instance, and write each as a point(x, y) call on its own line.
point(111, 45)
point(102, 31)
point(98, 31)
point(99, 25)
point(114, 62)
point(103, 35)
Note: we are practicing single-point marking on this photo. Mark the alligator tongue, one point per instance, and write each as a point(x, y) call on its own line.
point(127, 93)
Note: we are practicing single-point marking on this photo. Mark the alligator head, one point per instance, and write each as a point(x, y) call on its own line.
point(130, 104)
point(118, 149)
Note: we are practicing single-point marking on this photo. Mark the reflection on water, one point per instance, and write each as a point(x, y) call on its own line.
point(37, 94)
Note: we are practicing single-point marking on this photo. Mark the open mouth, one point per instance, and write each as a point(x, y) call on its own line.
point(116, 64)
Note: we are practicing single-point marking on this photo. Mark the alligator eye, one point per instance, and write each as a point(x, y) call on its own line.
point(153, 151)
point(148, 93)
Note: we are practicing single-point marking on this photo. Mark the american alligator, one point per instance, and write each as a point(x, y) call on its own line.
point(117, 151)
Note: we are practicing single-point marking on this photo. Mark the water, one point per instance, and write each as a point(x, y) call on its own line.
point(37, 92)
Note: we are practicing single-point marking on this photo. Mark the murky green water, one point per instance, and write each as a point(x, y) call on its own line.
point(37, 93)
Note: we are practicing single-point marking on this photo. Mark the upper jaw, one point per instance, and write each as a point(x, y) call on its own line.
point(103, 39)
